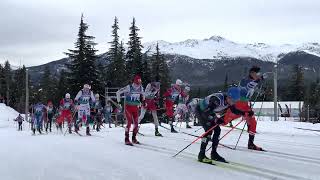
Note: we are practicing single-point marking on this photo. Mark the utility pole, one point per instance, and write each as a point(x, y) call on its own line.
point(275, 90)
point(27, 95)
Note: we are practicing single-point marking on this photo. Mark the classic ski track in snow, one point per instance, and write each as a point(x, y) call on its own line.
point(261, 172)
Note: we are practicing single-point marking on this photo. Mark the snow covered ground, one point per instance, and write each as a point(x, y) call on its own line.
point(292, 154)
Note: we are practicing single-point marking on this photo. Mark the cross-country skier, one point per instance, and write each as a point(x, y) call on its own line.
point(38, 116)
point(133, 94)
point(170, 97)
point(19, 119)
point(206, 112)
point(97, 112)
point(66, 108)
point(107, 112)
point(247, 88)
point(50, 114)
point(151, 95)
point(182, 109)
point(192, 109)
point(84, 98)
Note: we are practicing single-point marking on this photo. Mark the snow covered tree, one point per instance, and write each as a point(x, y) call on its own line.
point(82, 67)
point(134, 55)
point(116, 69)
point(160, 70)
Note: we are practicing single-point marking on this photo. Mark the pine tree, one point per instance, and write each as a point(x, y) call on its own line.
point(62, 85)
point(160, 69)
point(146, 71)
point(226, 85)
point(46, 85)
point(18, 89)
point(116, 68)
point(82, 68)
point(296, 87)
point(2, 82)
point(134, 55)
point(8, 81)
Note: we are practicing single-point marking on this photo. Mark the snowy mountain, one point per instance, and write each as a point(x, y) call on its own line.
point(217, 47)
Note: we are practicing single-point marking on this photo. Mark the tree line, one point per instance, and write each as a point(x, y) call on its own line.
point(83, 67)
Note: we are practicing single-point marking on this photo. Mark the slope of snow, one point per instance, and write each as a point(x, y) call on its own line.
point(218, 47)
point(293, 155)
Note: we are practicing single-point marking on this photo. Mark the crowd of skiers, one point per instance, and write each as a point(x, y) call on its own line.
point(212, 111)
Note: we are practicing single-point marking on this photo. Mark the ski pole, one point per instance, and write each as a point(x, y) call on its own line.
point(204, 134)
point(227, 133)
point(240, 135)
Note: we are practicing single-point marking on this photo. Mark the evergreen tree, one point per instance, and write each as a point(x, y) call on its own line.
point(82, 68)
point(19, 89)
point(2, 82)
point(160, 69)
point(62, 86)
point(146, 71)
point(8, 82)
point(134, 55)
point(47, 86)
point(296, 86)
point(116, 68)
point(226, 85)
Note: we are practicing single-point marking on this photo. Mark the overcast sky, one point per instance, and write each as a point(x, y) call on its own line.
point(34, 32)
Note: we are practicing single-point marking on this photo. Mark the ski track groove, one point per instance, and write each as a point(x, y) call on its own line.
point(295, 157)
point(242, 168)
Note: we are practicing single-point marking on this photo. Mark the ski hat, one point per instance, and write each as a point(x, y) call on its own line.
point(179, 82)
point(68, 96)
point(255, 69)
point(86, 86)
point(234, 93)
point(97, 96)
point(137, 80)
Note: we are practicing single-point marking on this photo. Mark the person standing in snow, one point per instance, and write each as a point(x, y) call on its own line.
point(107, 112)
point(38, 116)
point(151, 95)
point(247, 88)
point(133, 93)
point(170, 97)
point(66, 108)
point(97, 109)
point(84, 98)
point(182, 109)
point(19, 119)
point(207, 112)
point(50, 114)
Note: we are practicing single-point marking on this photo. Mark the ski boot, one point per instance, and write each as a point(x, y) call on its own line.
point(252, 146)
point(188, 127)
point(126, 140)
point(70, 132)
point(173, 130)
point(33, 131)
point(216, 157)
point(156, 133)
point(88, 131)
point(39, 130)
point(134, 140)
point(203, 158)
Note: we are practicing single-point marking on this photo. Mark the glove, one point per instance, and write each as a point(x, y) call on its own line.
point(250, 113)
point(264, 76)
point(219, 121)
